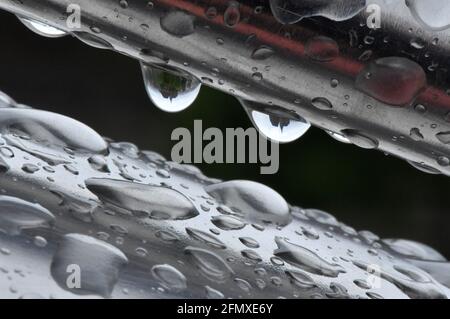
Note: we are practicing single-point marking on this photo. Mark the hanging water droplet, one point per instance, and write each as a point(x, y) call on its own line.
point(424, 168)
point(6, 100)
point(276, 124)
point(42, 28)
point(338, 137)
point(170, 277)
point(257, 201)
point(170, 89)
point(178, 23)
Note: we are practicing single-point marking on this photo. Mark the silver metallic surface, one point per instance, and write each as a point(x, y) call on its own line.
point(220, 50)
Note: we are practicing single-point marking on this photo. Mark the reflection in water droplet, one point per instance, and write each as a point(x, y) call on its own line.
point(292, 11)
point(170, 89)
point(256, 201)
point(42, 28)
point(158, 202)
point(393, 80)
point(95, 263)
point(263, 52)
point(170, 277)
point(178, 23)
point(276, 124)
point(17, 214)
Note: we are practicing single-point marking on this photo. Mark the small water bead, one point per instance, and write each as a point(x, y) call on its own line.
point(262, 53)
point(249, 242)
point(30, 168)
point(322, 49)
point(257, 76)
point(178, 23)
point(42, 28)
point(209, 264)
point(99, 163)
point(170, 277)
point(275, 123)
point(213, 293)
point(226, 222)
point(123, 4)
point(420, 108)
point(205, 238)
point(321, 103)
point(360, 139)
point(415, 134)
point(395, 81)
point(232, 15)
point(40, 241)
point(292, 11)
point(170, 89)
point(443, 161)
point(443, 137)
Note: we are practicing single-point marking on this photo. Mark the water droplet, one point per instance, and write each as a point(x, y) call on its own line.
point(263, 52)
point(93, 40)
point(292, 11)
point(415, 134)
point(393, 80)
point(360, 139)
point(249, 242)
point(433, 14)
point(338, 137)
point(232, 15)
point(305, 259)
point(213, 293)
point(301, 279)
point(99, 163)
point(209, 264)
point(322, 49)
point(42, 28)
point(443, 161)
point(98, 262)
point(276, 124)
point(17, 214)
point(227, 222)
point(178, 23)
point(170, 277)
point(170, 89)
point(424, 168)
point(322, 103)
point(157, 202)
point(52, 128)
point(40, 241)
point(205, 238)
point(414, 249)
point(443, 137)
point(257, 201)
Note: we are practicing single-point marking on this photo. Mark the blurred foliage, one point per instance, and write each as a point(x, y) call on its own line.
point(365, 189)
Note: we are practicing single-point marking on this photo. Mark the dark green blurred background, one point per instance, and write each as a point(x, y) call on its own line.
point(365, 189)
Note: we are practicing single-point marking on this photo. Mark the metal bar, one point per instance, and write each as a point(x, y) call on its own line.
point(400, 106)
